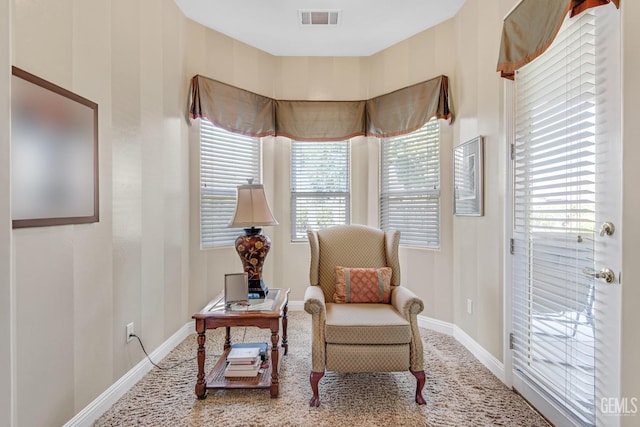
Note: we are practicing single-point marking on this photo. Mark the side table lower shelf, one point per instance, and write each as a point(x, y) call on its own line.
point(217, 380)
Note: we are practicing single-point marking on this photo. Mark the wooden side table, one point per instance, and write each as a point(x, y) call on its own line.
point(264, 314)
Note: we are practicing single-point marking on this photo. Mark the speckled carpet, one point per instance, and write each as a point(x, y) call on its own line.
point(459, 391)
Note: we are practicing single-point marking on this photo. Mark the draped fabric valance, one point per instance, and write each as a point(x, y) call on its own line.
point(320, 120)
point(241, 111)
point(531, 27)
point(231, 108)
point(408, 109)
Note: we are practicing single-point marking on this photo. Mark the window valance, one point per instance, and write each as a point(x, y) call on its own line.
point(531, 27)
point(231, 108)
point(320, 120)
point(408, 109)
point(238, 110)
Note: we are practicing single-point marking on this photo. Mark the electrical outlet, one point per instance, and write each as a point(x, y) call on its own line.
point(469, 306)
point(130, 331)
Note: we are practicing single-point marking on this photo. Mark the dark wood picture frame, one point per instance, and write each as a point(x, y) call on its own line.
point(54, 163)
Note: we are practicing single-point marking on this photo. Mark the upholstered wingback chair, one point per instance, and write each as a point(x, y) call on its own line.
point(380, 335)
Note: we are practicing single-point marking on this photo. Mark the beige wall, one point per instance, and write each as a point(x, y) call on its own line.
point(77, 286)
point(6, 284)
point(478, 242)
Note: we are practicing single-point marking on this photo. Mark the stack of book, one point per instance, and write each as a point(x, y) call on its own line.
point(243, 362)
point(263, 346)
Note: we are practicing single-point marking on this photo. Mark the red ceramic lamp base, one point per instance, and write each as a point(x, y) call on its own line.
point(253, 248)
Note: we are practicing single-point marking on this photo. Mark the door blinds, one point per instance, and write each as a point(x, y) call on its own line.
point(554, 213)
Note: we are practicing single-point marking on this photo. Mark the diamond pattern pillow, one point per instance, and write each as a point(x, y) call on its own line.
point(363, 285)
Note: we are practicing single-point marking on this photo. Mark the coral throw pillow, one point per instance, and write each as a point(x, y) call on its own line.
point(363, 285)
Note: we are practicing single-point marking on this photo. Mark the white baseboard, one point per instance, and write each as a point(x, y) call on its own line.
point(296, 305)
point(102, 403)
point(435, 325)
point(487, 359)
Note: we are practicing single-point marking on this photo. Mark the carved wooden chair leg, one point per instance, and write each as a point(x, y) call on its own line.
point(314, 379)
point(419, 385)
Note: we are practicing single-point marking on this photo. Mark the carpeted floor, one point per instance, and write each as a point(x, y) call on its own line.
point(460, 391)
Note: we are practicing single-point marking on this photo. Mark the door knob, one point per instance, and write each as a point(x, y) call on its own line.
point(607, 228)
point(606, 273)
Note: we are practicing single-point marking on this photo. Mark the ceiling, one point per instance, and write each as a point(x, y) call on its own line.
point(364, 27)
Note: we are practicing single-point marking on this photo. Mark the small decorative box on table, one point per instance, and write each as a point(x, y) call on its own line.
point(261, 313)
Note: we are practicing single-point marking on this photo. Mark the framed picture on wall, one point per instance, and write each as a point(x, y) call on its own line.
point(54, 154)
point(468, 178)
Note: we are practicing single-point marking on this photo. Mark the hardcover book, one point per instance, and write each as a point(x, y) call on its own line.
point(262, 346)
point(243, 354)
point(242, 370)
point(239, 374)
point(255, 365)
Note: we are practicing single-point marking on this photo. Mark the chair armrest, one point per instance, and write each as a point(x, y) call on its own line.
point(314, 304)
point(406, 302)
point(409, 305)
point(314, 300)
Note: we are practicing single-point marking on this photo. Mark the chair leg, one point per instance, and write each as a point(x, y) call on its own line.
point(314, 379)
point(419, 385)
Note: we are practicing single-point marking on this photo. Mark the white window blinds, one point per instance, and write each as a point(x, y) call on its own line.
point(554, 214)
point(320, 186)
point(226, 161)
point(410, 186)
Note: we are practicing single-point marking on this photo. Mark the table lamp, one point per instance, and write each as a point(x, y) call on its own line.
point(252, 212)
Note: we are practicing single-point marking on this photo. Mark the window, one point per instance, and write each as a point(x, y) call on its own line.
point(226, 161)
point(319, 186)
point(410, 186)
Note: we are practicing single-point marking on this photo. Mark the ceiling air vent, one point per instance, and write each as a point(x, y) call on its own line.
point(318, 18)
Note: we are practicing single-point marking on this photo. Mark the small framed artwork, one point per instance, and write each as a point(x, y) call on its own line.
point(468, 178)
point(54, 154)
